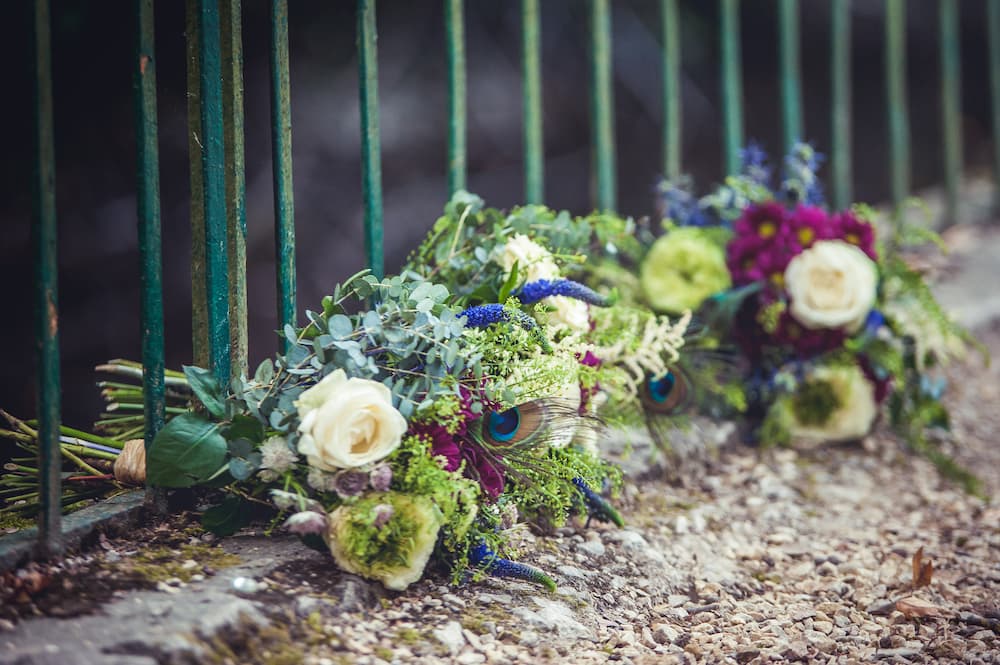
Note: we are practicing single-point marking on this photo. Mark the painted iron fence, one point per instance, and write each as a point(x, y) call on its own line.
point(216, 140)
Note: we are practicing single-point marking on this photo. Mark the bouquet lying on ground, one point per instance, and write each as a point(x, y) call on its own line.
point(832, 323)
point(463, 395)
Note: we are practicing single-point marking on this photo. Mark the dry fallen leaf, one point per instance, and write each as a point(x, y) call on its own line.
point(912, 606)
point(922, 572)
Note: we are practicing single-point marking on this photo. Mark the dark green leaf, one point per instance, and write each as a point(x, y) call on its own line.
point(228, 517)
point(186, 452)
point(509, 284)
point(206, 388)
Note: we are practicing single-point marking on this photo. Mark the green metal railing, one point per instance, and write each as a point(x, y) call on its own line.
point(215, 117)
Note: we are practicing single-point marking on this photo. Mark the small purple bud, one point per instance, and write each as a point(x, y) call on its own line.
point(307, 522)
point(380, 477)
point(383, 513)
point(350, 482)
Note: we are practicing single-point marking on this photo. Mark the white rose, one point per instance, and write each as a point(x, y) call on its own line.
point(854, 415)
point(831, 285)
point(568, 313)
point(346, 423)
point(534, 261)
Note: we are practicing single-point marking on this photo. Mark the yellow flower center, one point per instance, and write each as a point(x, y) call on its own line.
point(778, 279)
point(853, 238)
point(806, 236)
point(767, 229)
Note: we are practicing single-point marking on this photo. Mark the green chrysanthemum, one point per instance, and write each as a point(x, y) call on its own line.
point(682, 269)
point(386, 536)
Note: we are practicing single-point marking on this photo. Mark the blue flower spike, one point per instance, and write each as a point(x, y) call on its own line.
point(482, 556)
point(532, 292)
point(598, 507)
point(484, 316)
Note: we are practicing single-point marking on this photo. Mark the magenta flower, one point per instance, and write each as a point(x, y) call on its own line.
point(762, 220)
point(806, 342)
point(806, 225)
point(455, 446)
point(850, 228)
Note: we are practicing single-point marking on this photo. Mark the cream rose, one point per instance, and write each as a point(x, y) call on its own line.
point(534, 261)
point(345, 423)
point(851, 412)
point(831, 285)
point(568, 313)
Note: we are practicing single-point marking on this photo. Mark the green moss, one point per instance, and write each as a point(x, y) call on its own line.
point(385, 653)
point(10, 521)
point(410, 636)
point(159, 564)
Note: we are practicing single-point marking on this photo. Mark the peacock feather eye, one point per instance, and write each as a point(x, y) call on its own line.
point(503, 425)
point(666, 393)
point(518, 425)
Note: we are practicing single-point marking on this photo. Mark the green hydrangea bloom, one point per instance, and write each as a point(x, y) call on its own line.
point(394, 552)
point(682, 269)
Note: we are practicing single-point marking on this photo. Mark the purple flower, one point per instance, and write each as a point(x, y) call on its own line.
point(807, 224)
point(532, 292)
point(307, 522)
point(483, 316)
point(482, 555)
point(380, 477)
point(806, 342)
point(754, 161)
point(383, 513)
point(350, 482)
point(856, 231)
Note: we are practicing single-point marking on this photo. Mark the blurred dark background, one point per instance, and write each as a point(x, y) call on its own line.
point(95, 148)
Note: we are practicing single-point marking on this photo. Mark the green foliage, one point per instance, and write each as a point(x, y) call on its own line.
point(542, 487)
point(416, 472)
point(814, 402)
point(207, 389)
point(188, 451)
point(411, 341)
point(228, 517)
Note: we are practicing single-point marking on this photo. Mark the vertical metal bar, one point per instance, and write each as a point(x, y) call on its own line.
point(732, 84)
point(670, 29)
point(791, 72)
point(534, 148)
point(454, 22)
point(371, 157)
point(46, 288)
point(148, 199)
point(840, 75)
point(281, 165)
point(951, 106)
point(199, 297)
point(993, 32)
point(899, 122)
point(231, 35)
point(602, 105)
point(213, 156)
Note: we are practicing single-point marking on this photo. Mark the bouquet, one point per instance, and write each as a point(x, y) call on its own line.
point(413, 419)
point(831, 323)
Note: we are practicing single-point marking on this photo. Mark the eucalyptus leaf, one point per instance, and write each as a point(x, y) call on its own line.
point(265, 372)
point(341, 326)
point(241, 469)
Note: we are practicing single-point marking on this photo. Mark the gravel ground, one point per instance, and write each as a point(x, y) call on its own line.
point(841, 554)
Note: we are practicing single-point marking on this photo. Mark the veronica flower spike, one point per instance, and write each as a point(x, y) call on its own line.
point(597, 506)
point(532, 292)
point(482, 555)
point(483, 316)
